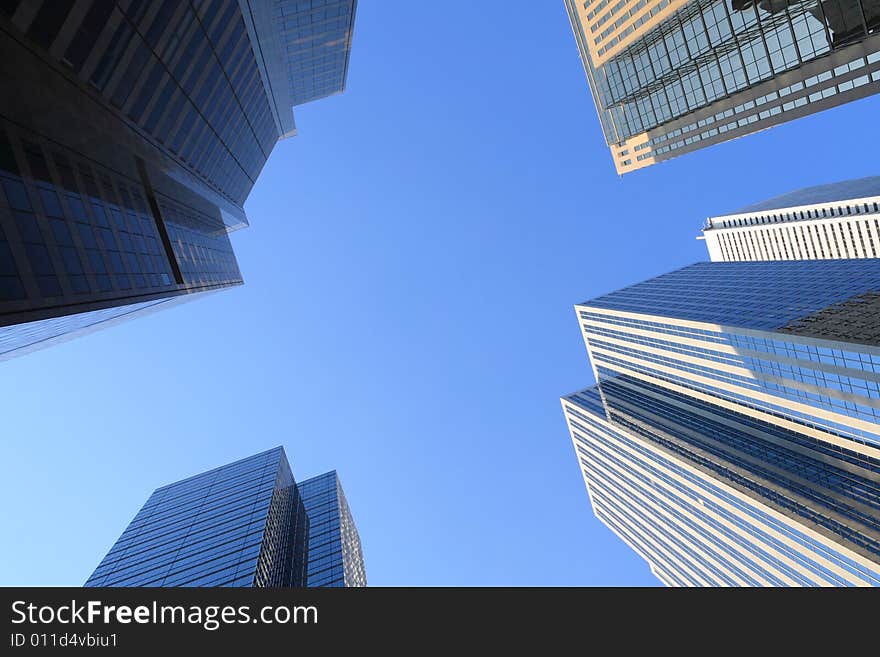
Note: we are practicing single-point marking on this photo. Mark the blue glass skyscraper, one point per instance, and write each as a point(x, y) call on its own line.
point(243, 524)
point(335, 555)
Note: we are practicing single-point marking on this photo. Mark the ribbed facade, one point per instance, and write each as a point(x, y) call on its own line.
point(840, 220)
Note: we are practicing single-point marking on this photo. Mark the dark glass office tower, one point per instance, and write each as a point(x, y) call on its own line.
point(757, 377)
point(242, 524)
point(335, 555)
point(671, 76)
point(131, 133)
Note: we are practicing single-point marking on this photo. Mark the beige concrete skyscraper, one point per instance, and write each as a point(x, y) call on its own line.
point(671, 76)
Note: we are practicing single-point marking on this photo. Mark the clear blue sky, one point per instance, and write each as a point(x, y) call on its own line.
point(411, 268)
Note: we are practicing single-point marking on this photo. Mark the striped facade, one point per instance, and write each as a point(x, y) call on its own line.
point(694, 526)
point(764, 367)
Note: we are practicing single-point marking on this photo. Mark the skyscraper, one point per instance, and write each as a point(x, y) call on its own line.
point(840, 220)
point(709, 497)
point(335, 555)
point(243, 524)
point(131, 133)
point(672, 76)
point(756, 375)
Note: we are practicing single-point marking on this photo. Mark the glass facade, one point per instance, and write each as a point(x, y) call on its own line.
point(131, 133)
point(316, 38)
point(304, 48)
point(80, 241)
point(335, 555)
point(831, 193)
point(752, 295)
point(711, 498)
point(242, 524)
point(24, 338)
point(777, 338)
point(733, 437)
point(672, 76)
point(183, 73)
point(835, 490)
